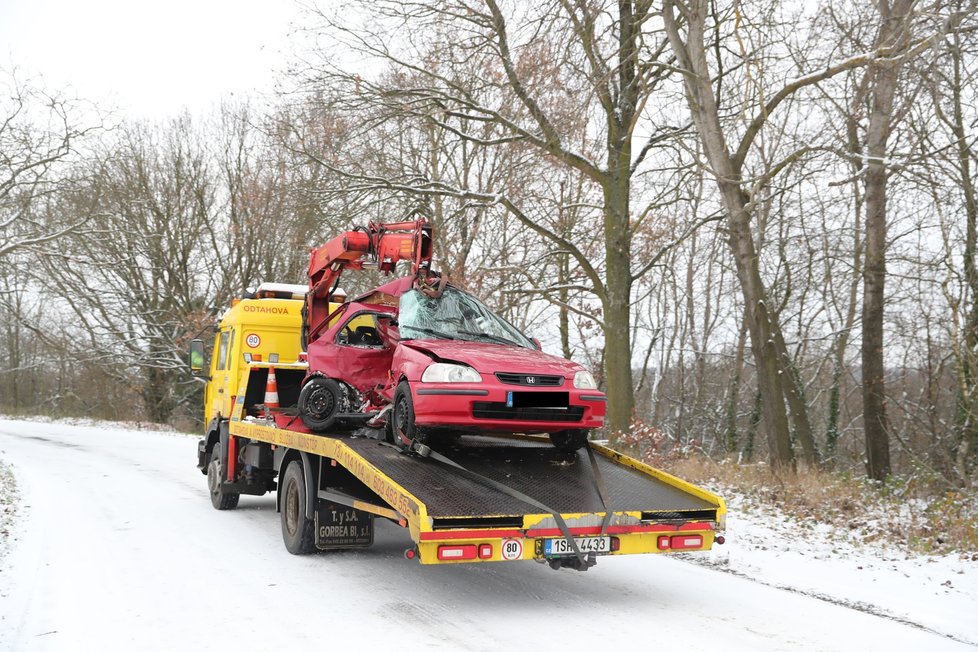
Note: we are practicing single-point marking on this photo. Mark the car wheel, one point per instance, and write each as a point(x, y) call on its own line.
point(569, 440)
point(298, 532)
point(404, 430)
point(319, 403)
point(220, 498)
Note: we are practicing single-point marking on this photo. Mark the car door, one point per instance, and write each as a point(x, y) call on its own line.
point(362, 354)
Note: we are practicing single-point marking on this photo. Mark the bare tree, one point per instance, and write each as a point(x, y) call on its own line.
point(957, 110)
point(569, 80)
point(142, 288)
point(894, 35)
point(39, 134)
point(691, 28)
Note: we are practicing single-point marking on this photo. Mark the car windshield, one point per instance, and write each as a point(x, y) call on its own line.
point(454, 315)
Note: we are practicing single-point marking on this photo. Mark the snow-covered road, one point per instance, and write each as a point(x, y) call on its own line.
point(116, 547)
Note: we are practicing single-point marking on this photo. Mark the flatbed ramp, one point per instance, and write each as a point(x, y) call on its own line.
point(504, 498)
point(563, 481)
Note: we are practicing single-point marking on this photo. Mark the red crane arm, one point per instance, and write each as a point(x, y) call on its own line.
point(380, 245)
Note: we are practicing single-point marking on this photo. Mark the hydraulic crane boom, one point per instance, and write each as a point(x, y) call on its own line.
point(380, 245)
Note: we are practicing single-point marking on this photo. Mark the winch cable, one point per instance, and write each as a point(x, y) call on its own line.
point(519, 495)
point(602, 490)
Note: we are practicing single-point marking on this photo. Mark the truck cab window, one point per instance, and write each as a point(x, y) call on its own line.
point(222, 351)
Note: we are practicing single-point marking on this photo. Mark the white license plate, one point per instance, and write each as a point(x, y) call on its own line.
point(553, 547)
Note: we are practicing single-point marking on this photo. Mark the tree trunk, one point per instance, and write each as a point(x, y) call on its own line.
point(763, 348)
point(761, 322)
point(734, 391)
point(798, 406)
point(885, 76)
point(842, 341)
point(874, 275)
point(564, 314)
point(966, 416)
point(618, 228)
point(617, 311)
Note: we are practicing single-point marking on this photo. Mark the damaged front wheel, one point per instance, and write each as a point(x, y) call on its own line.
point(403, 429)
point(319, 403)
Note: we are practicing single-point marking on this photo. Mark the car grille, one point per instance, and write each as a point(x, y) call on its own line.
point(530, 380)
point(488, 410)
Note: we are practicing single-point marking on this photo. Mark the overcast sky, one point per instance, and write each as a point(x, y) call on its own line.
point(148, 59)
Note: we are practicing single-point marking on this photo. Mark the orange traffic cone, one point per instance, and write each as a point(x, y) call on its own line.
point(271, 391)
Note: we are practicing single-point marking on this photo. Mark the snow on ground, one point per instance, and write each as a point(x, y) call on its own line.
point(9, 500)
point(114, 545)
point(939, 593)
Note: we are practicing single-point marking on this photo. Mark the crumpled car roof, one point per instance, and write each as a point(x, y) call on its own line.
point(394, 289)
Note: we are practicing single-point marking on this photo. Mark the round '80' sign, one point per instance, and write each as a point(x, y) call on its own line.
point(512, 549)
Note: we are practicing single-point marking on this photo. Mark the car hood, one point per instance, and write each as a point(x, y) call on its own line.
point(488, 358)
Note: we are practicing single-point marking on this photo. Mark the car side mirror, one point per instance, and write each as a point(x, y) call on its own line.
point(196, 357)
point(536, 343)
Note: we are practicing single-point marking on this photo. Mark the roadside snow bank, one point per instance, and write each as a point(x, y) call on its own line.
point(937, 593)
point(9, 501)
point(86, 422)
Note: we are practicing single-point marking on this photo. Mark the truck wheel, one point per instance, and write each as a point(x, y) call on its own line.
point(220, 498)
point(404, 429)
point(569, 440)
point(297, 530)
point(319, 403)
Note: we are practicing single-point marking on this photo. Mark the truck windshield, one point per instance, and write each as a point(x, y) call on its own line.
point(454, 315)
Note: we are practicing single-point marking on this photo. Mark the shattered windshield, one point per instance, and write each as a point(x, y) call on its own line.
point(454, 315)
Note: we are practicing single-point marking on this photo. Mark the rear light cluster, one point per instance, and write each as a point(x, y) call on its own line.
point(680, 542)
point(465, 551)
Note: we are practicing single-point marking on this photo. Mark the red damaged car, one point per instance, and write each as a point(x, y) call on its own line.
point(443, 364)
point(423, 357)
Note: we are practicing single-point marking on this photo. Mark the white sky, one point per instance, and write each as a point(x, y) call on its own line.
point(148, 59)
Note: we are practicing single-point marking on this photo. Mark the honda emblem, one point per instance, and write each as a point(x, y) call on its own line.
point(531, 380)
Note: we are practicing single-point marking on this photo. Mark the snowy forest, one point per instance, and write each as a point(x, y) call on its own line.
point(755, 222)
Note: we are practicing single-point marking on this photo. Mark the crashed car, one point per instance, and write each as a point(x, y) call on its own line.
point(429, 364)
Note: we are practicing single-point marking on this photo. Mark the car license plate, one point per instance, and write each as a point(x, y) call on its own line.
point(556, 547)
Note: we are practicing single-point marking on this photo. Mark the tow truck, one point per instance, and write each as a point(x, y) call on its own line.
point(483, 497)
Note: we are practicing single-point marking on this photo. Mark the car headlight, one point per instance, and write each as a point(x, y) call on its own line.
point(584, 380)
point(444, 372)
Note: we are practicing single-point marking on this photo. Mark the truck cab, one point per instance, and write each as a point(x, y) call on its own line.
point(264, 328)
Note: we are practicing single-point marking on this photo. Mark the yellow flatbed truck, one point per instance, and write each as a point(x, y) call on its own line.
point(475, 498)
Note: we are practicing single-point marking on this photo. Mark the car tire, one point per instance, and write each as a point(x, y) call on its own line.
point(220, 498)
point(403, 428)
point(298, 531)
point(569, 440)
point(319, 403)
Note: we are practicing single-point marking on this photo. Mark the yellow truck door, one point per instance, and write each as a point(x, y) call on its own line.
point(217, 399)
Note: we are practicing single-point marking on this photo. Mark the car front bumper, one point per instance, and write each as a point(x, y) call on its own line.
point(484, 406)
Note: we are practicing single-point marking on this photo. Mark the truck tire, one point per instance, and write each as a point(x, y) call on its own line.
point(404, 429)
point(569, 440)
point(319, 402)
point(298, 532)
point(220, 498)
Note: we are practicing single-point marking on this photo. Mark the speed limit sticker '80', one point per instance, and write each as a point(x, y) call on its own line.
point(512, 549)
point(252, 340)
